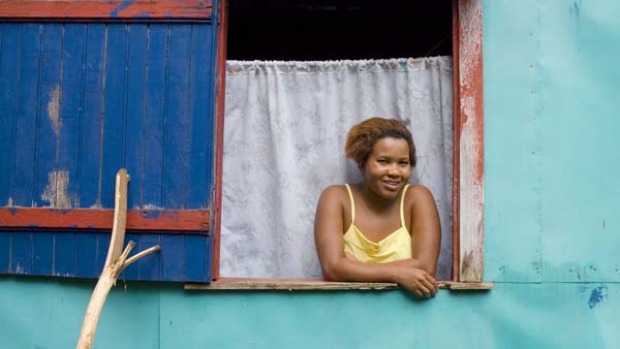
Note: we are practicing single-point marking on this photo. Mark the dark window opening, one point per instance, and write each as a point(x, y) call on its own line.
point(338, 29)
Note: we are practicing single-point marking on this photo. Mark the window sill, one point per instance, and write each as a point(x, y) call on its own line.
point(232, 284)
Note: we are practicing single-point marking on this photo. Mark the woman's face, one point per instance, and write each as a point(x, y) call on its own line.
point(388, 168)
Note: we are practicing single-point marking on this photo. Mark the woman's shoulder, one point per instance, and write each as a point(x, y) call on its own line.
point(335, 193)
point(418, 193)
point(335, 190)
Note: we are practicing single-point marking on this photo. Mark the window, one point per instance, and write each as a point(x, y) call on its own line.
point(467, 266)
point(67, 131)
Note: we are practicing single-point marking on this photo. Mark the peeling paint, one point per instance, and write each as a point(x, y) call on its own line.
point(151, 207)
point(56, 190)
point(151, 214)
point(471, 167)
point(123, 5)
point(53, 110)
point(597, 296)
point(470, 266)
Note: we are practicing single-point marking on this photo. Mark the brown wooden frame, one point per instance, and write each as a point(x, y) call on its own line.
point(468, 159)
point(468, 170)
point(16, 10)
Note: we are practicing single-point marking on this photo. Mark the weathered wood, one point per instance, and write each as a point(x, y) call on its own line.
point(222, 34)
point(287, 285)
point(120, 218)
point(466, 286)
point(468, 170)
point(105, 9)
point(116, 262)
point(234, 284)
point(137, 220)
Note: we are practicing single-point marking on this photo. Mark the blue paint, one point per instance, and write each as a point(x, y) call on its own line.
point(65, 254)
point(5, 251)
point(43, 253)
point(21, 253)
point(101, 250)
point(202, 80)
point(135, 111)
point(125, 4)
point(89, 176)
point(86, 252)
point(149, 267)
point(154, 129)
point(113, 111)
point(177, 119)
point(23, 182)
point(50, 129)
point(82, 254)
point(12, 210)
point(196, 247)
point(9, 70)
point(173, 257)
point(91, 98)
point(71, 106)
point(597, 296)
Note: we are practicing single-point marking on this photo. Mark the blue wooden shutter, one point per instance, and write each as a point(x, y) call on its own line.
point(80, 100)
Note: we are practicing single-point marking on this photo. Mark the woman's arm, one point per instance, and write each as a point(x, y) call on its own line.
point(425, 228)
point(328, 230)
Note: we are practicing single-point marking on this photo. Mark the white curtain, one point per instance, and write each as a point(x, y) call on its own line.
point(285, 128)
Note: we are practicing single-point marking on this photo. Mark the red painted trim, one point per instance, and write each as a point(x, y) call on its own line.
point(456, 149)
point(222, 33)
point(470, 141)
point(168, 220)
point(105, 9)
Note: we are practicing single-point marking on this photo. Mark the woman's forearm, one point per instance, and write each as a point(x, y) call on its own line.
point(348, 269)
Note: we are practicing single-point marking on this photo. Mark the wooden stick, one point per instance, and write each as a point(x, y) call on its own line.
point(120, 217)
point(116, 262)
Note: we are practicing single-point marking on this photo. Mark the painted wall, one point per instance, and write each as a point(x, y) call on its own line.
point(551, 225)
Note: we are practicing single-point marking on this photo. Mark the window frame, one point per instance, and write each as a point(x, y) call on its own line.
point(468, 159)
point(468, 162)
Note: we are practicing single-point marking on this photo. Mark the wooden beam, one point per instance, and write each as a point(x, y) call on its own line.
point(105, 9)
point(469, 145)
point(232, 284)
point(137, 220)
point(241, 284)
point(220, 70)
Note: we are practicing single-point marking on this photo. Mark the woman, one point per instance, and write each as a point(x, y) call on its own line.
point(382, 229)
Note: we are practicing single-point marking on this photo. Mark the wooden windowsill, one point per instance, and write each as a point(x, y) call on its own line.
point(232, 284)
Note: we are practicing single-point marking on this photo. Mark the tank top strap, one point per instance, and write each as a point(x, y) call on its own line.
point(402, 206)
point(352, 203)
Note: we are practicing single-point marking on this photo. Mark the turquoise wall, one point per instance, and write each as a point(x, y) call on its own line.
point(552, 227)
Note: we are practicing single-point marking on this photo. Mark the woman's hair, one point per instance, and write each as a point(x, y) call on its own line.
point(363, 136)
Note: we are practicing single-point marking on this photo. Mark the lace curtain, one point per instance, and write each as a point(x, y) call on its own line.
point(285, 128)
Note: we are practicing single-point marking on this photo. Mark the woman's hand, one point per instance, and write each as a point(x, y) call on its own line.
point(410, 276)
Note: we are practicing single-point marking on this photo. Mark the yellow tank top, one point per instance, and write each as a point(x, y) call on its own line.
point(393, 247)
